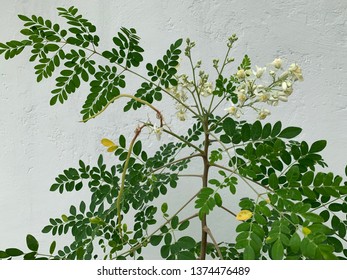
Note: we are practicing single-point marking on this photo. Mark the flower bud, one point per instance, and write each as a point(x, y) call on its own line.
point(263, 114)
point(241, 74)
point(277, 63)
point(296, 72)
point(259, 71)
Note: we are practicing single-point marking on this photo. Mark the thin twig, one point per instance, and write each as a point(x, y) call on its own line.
point(229, 211)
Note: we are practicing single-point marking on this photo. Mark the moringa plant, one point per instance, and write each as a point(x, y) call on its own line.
point(292, 211)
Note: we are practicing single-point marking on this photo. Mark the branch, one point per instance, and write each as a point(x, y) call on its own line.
point(145, 241)
point(209, 233)
point(173, 162)
point(229, 211)
point(131, 97)
point(121, 189)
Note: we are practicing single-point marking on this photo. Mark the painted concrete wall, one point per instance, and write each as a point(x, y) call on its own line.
point(39, 141)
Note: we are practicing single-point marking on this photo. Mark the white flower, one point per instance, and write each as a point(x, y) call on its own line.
point(181, 115)
point(287, 88)
point(157, 131)
point(232, 110)
point(282, 98)
point(259, 71)
point(273, 102)
point(272, 74)
point(241, 74)
point(296, 72)
point(261, 95)
point(284, 85)
point(277, 63)
point(241, 96)
point(277, 96)
point(206, 89)
point(263, 113)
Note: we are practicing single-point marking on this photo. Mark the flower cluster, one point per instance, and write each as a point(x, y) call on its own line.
point(205, 88)
point(253, 87)
point(180, 94)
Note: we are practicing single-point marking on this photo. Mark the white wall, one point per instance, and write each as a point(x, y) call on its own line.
point(39, 141)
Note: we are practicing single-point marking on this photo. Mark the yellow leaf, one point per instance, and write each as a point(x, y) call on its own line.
point(112, 148)
point(107, 142)
point(244, 215)
point(306, 231)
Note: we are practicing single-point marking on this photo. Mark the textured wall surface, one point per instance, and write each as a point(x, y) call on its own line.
point(39, 141)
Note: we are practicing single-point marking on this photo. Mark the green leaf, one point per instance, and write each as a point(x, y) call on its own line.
point(246, 132)
point(294, 242)
point(73, 210)
point(248, 253)
point(335, 207)
point(186, 255)
point(30, 256)
point(293, 173)
point(122, 141)
point(256, 130)
point(24, 18)
point(246, 63)
point(165, 251)
point(218, 199)
point(307, 179)
point(174, 222)
point(3, 255)
point(186, 242)
point(273, 181)
point(137, 148)
point(52, 247)
point(32, 243)
point(277, 250)
point(47, 229)
point(290, 132)
point(156, 239)
point(164, 208)
point(13, 252)
point(318, 146)
point(82, 206)
point(321, 228)
point(266, 131)
point(53, 100)
point(52, 47)
point(312, 217)
point(276, 129)
point(229, 126)
point(183, 225)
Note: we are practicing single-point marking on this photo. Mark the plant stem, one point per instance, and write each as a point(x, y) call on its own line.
point(189, 218)
point(128, 96)
point(229, 211)
point(190, 175)
point(195, 85)
point(175, 161)
point(204, 185)
point(208, 231)
point(121, 189)
point(166, 222)
point(184, 141)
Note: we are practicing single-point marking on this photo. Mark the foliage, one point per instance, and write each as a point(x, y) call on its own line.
point(294, 210)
